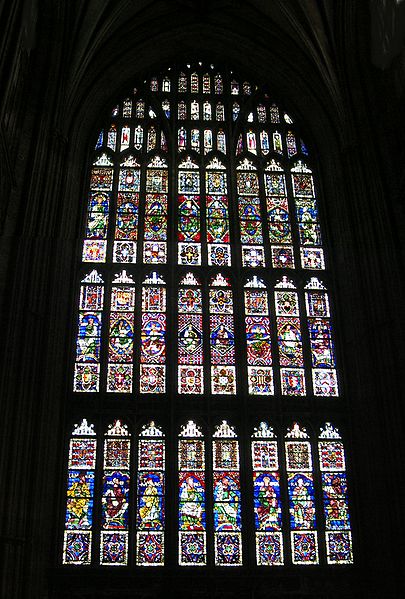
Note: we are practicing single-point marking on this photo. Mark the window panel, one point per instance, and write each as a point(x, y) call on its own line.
point(334, 493)
point(80, 495)
point(307, 216)
point(190, 337)
point(266, 497)
point(189, 213)
point(155, 228)
point(150, 515)
point(88, 343)
point(278, 219)
point(324, 377)
point(101, 183)
point(250, 220)
point(303, 524)
point(121, 335)
point(192, 521)
point(217, 214)
point(115, 496)
point(227, 500)
point(258, 339)
point(153, 336)
point(222, 337)
point(289, 339)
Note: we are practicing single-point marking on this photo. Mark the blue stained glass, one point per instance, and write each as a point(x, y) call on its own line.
point(267, 501)
point(89, 325)
point(336, 509)
point(302, 502)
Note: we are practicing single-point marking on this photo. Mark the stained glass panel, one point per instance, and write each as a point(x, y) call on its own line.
point(258, 340)
point(307, 217)
point(217, 215)
point(101, 182)
point(80, 495)
point(289, 338)
point(155, 227)
point(153, 336)
point(222, 337)
point(121, 334)
point(192, 521)
point(266, 497)
point(250, 221)
point(189, 214)
point(115, 496)
point(150, 514)
point(88, 343)
point(190, 337)
point(227, 497)
point(126, 226)
point(278, 216)
point(335, 501)
point(324, 378)
point(303, 525)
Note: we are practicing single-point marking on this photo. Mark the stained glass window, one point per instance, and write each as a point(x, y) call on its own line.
point(95, 244)
point(115, 495)
point(227, 499)
point(153, 335)
point(258, 338)
point(289, 338)
point(192, 521)
point(334, 492)
point(307, 216)
point(324, 378)
point(250, 219)
point(220, 112)
point(80, 495)
point(88, 341)
point(150, 514)
point(282, 255)
point(217, 214)
point(190, 337)
point(301, 494)
point(267, 497)
point(126, 224)
point(222, 337)
point(155, 228)
point(189, 232)
point(121, 335)
point(202, 218)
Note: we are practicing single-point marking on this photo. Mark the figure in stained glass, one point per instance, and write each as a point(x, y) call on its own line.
point(191, 506)
point(302, 502)
point(115, 500)
point(121, 336)
point(227, 502)
point(79, 505)
point(150, 514)
point(289, 341)
point(88, 341)
point(335, 504)
point(267, 502)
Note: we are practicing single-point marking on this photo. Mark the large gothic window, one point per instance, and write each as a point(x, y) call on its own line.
point(204, 359)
